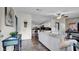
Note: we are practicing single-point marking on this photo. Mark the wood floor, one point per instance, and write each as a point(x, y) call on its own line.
point(29, 45)
point(32, 45)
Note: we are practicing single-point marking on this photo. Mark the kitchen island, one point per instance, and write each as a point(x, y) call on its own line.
point(50, 40)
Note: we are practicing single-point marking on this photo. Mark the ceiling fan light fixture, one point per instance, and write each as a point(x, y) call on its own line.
point(59, 17)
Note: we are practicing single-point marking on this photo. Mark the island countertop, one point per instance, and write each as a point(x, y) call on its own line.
point(50, 40)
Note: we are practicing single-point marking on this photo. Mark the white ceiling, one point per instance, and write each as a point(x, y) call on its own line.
point(71, 12)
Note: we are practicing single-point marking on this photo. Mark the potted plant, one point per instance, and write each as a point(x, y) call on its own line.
point(13, 34)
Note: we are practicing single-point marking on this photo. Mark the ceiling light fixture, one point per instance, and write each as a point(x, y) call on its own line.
point(38, 10)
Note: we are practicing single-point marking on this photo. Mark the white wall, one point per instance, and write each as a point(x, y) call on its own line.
point(0, 18)
point(26, 32)
point(61, 25)
point(5, 29)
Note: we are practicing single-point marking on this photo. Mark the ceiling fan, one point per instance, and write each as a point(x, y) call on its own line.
point(59, 16)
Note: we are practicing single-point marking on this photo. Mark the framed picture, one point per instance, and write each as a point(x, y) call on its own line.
point(9, 16)
point(25, 24)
